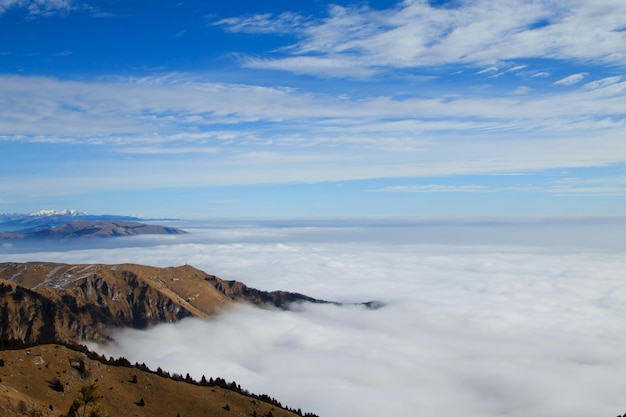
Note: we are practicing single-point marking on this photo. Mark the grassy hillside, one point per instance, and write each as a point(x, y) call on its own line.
point(49, 376)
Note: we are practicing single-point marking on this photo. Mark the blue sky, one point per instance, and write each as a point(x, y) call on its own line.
point(310, 108)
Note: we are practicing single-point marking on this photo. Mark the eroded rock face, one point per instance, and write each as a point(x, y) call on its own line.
point(29, 316)
point(49, 301)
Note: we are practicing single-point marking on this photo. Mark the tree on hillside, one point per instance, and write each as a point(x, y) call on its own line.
point(85, 404)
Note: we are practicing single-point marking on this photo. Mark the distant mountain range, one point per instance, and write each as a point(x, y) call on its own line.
point(47, 219)
point(72, 224)
point(82, 229)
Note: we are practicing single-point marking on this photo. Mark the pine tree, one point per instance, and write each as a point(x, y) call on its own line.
point(86, 399)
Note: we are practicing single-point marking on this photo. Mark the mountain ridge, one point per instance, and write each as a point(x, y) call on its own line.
point(84, 229)
point(73, 302)
point(11, 222)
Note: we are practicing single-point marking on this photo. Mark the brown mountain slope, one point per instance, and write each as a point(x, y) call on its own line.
point(49, 301)
point(28, 379)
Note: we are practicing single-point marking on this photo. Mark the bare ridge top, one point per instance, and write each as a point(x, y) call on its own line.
point(53, 301)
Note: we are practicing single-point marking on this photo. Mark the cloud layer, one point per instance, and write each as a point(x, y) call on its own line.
point(361, 41)
point(481, 331)
point(179, 131)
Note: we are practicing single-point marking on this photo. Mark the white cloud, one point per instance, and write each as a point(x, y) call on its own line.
point(571, 79)
point(435, 188)
point(522, 90)
point(479, 330)
point(168, 151)
point(517, 68)
point(39, 7)
point(173, 104)
point(486, 70)
point(417, 34)
point(600, 186)
point(443, 157)
point(604, 82)
point(269, 135)
point(285, 22)
point(609, 186)
point(342, 67)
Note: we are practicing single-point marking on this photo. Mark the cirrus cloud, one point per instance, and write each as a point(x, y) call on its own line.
point(39, 7)
point(571, 79)
point(416, 33)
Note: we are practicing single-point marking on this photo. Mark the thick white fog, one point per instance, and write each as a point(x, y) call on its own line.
point(479, 329)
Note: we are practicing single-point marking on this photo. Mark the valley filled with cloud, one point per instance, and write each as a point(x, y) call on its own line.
point(470, 325)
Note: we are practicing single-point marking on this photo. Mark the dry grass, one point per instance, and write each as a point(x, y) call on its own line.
point(28, 375)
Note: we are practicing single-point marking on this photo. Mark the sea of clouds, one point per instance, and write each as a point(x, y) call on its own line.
point(480, 320)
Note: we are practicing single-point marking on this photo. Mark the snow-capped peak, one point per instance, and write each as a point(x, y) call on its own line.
point(66, 212)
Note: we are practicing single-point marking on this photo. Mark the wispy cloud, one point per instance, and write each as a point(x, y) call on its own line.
point(283, 23)
point(175, 102)
point(435, 188)
point(487, 70)
point(603, 186)
point(300, 136)
point(522, 90)
point(153, 150)
point(416, 34)
point(517, 68)
point(604, 82)
point(571, 79)
point(340, 67)
point(39, 7)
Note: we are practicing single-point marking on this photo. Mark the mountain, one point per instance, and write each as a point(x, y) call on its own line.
point(46, 219)
point(50, 306)
point(5, 217)
point(65, 212)
point(45, 308)
point(83, 229)
point(42, 301)
point(48, 377)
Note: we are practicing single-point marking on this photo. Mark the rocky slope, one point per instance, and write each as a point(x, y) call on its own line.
point(50, 301)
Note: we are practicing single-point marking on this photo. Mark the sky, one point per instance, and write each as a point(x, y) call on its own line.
point(201, 109)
